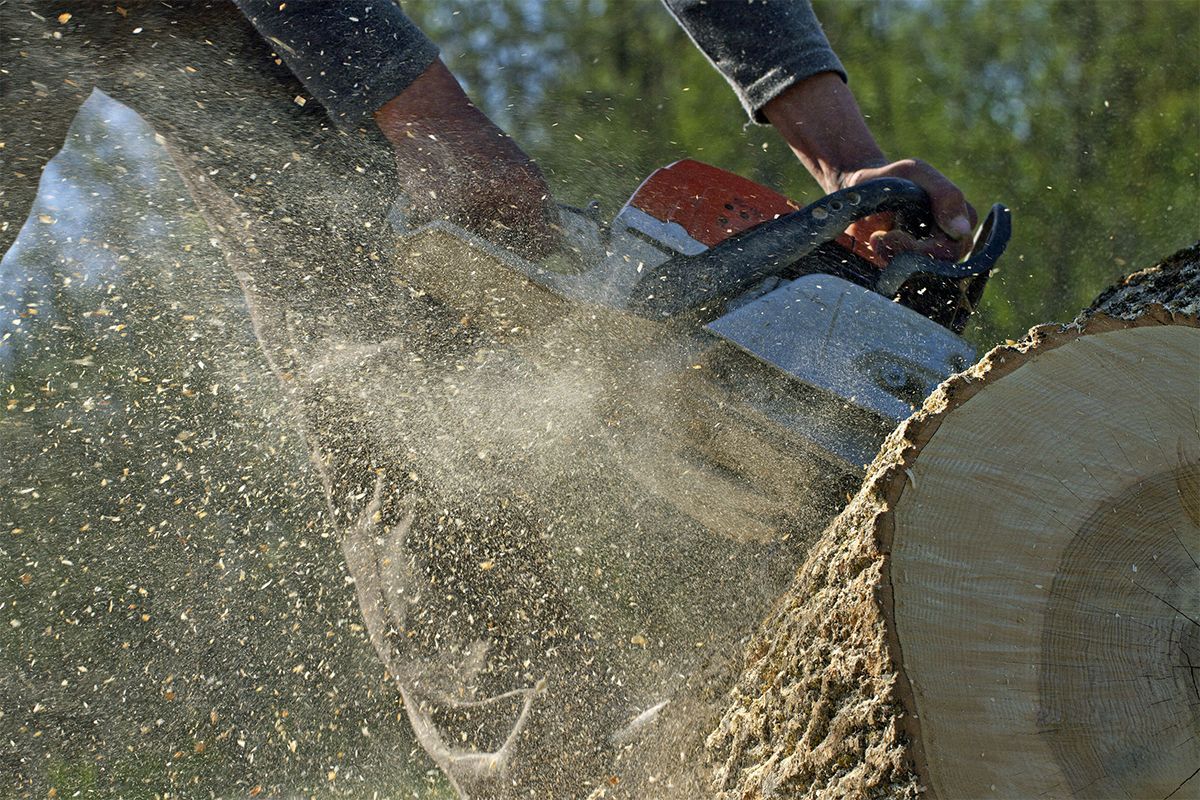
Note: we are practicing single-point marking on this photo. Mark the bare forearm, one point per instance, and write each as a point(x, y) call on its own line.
point(821, 122)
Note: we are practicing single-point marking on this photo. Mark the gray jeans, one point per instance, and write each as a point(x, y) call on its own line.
point(355, 55)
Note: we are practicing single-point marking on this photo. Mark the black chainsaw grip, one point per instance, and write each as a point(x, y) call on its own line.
point(989, 246)
point(772, 248)
point(905, 199)
point(728, 268)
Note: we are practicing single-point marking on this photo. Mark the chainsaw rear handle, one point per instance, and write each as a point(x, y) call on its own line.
point(731, 267)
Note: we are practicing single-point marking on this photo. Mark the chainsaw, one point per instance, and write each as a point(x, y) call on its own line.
point(714, 254)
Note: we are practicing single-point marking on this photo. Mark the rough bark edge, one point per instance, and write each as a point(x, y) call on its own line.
point(1173, 284)
point(851, 565)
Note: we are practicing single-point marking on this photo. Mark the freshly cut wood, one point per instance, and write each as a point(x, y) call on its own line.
point(1010, 607)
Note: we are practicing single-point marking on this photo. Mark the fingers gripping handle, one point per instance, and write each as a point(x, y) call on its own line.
point(905, 199)
point(788, 239)
point(729, 268)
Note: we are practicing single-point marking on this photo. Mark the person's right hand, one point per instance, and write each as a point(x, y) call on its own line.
point(456, 164)
point(821, 122)
point(955, 217)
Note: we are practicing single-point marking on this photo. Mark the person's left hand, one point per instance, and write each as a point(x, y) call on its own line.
point(876, 236)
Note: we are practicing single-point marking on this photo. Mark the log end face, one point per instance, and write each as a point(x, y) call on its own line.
point(1045, 572)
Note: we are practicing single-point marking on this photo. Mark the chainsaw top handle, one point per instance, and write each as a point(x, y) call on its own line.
point(778, 248)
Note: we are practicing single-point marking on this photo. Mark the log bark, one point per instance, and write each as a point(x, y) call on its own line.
point(1009, 606)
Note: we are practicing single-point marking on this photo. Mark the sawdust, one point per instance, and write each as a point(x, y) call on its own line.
point(815, 712)
point(629, 547)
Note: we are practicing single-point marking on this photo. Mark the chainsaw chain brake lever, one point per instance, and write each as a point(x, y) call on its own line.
point(989, 245)
point(735, 265)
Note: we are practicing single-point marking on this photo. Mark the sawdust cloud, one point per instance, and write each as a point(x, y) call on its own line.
point(581, 441)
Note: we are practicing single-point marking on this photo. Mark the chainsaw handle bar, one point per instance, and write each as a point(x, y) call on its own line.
point(731, 267)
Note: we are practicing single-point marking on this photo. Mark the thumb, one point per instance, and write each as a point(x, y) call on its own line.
point(955, 218)
point(953, 213)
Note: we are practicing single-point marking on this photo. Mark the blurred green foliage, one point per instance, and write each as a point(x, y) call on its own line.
point(1082, 115)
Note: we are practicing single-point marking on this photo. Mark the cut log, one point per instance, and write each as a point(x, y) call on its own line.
point(1010, 607)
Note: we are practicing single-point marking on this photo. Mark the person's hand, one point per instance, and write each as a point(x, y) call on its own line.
point(821, 122)
point(455, 164)
point(955, 217)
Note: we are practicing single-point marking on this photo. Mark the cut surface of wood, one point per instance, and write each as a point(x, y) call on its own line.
point(1045, 580)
